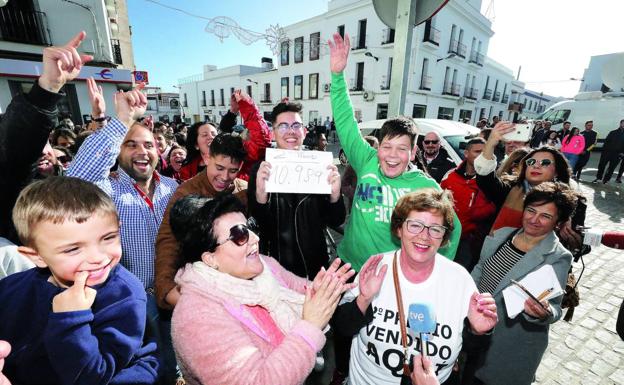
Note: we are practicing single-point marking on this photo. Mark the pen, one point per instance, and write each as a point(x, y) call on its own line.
point(545, 293)
point(524, 289)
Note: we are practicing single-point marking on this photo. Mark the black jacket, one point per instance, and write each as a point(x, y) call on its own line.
point(292, 227)
point(24, 130)
point(614, 142)
point(440, 165)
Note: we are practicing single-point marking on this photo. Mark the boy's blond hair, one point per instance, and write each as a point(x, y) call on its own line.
point(58, 199)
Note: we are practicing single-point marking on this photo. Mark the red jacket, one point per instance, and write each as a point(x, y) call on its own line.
point(474, 210)
point(259, 136)
point(190, 169)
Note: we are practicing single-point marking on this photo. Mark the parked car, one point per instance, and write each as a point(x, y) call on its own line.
point(452, 133)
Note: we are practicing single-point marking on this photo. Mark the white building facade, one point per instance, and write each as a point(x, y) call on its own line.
point(28, 26)
point(450, 75)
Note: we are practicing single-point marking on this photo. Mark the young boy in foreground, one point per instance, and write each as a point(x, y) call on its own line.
point(77, 317)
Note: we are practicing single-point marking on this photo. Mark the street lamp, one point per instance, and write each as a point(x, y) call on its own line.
point(367, 53)
point(251, 81)
point(451, 55)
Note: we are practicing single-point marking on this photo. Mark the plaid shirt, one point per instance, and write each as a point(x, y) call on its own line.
point(139, 221)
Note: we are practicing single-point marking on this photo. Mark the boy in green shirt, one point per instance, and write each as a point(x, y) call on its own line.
point(384, 175)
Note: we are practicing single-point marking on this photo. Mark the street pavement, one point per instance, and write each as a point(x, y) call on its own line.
point(587, 350)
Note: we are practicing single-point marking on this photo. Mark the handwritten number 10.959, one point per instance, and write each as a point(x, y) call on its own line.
point(302, 174)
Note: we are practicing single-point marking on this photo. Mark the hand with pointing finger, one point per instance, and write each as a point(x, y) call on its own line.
point(130, 105)
point(62, 64)
point(78, 297)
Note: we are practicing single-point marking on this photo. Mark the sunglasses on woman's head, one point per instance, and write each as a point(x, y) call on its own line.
point(239, 234)
point(542, 163)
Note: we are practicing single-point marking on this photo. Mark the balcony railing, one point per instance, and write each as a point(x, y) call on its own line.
point(425, 83)
point(30, 27)
point(505, 98)
point(387, 36)
point(457, 48)
point(497, 96)
point(451, 89)
point(265, 98)
point(116, 51)
point(359, 43)
point(432, 35)
point(476, 58)
point(487, 94)
point(471, 93)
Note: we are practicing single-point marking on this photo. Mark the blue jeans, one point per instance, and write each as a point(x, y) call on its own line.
point(572, 159)
point(158, 329)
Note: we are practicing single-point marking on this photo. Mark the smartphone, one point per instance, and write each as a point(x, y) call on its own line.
point(521, 133)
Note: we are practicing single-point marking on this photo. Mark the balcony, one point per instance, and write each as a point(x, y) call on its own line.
point(505, 99)
point(476, 58)
point(451, 89)
point(116, 51)
point(360, 42)
point(497, 96)
point(457, 48)
point(425, 83)
point(471, 93)
point(432, 35)
point(385, 84)
point(487, 95)
point(265, 98)
point(30, 27)
point(387, 36)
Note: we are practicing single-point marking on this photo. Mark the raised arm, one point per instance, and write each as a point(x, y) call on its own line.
point(259, 133)
point(354, 145)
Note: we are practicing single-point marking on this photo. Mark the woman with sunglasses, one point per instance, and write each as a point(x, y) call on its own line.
point(241, 317)
point(518, 343)
point(375, 313)
point(544, 164)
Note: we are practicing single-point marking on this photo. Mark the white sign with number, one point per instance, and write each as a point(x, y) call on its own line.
point(303, 172)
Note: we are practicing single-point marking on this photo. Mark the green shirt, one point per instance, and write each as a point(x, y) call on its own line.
point(368, 230)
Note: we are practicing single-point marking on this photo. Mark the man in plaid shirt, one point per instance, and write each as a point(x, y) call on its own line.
point(140, 193)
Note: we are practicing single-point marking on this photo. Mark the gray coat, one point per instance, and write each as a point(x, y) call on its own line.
point(518, 344)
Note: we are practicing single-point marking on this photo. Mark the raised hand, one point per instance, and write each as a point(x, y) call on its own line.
point(5, 349)
point(339, 52)
point(62, 64)
point(423, 373)
point(264, 173)
point(482, 313)
point(335, 182)
point(234, 98)
point(319, 308)
point(370, 281)
point(96, 98)
point(501, 128)
point(78, 297)
point(343, 274)
point(130, 105)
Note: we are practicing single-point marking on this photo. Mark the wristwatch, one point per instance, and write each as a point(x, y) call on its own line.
point(102, 119)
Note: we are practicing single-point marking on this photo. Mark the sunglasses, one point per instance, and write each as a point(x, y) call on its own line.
point(284, 127)
point(542, 163)
point(431, 141)
point(416, 227)
point(239, 234)
point(64, 158)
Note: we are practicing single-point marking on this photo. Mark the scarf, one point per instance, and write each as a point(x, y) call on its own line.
point(284, 305)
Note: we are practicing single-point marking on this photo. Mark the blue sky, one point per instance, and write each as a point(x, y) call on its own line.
point(170, 45)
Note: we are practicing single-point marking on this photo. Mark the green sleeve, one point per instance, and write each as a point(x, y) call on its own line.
point(355, 147)
point(449, 250)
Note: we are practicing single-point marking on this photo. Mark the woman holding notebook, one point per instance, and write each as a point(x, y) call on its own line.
point(517, 344)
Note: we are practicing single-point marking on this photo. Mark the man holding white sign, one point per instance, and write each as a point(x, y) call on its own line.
point(294, 195)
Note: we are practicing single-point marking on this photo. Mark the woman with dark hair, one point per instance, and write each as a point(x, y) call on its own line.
point(175, 160)
point(544, 164)
point(63, 137)
point(241, 317)
point(551, 139)
point(518, 342)
point(200, 135)
point(511, 166)
point(572, 146)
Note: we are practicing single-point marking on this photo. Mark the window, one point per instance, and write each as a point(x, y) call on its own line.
point(185, 102)
point(453, 43)
point(425, 79)
point(419, 111)
point(203, 101)
point(341, 30)
point(315, 42)
point(249, 91)
point(361, 41)
point(284, 88)
point(313, 86)
point(359, 76)
point(299, 87)
point(465, 114)
point(299, 49)
point(212, 98)
point(67, 105)
point(382, 111)
point(446, 113)
point(231, 90)
point(267, 93)
point(222, 97)
point(314, 118)
point(284, 53)
point(389, 74)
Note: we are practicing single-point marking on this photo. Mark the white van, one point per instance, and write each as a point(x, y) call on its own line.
point(452, 133)
point(606, 110)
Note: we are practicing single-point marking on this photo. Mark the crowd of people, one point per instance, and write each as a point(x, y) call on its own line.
point(142, 252)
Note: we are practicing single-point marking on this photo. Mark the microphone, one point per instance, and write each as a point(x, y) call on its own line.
point(613, 239)
point(422, 321)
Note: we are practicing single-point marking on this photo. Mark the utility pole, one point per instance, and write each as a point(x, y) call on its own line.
point(406, 11)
